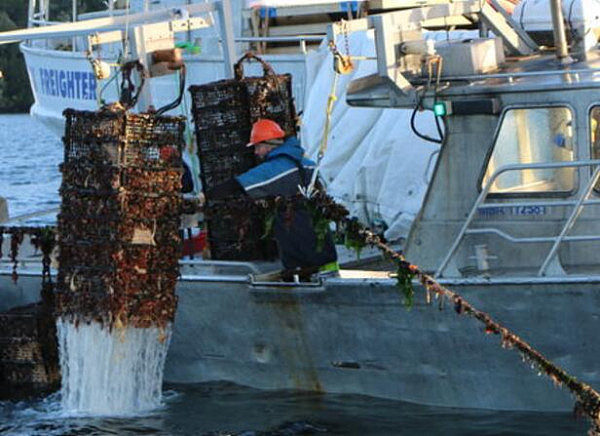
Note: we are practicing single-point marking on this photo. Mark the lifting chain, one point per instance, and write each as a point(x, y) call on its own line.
point(342, 64)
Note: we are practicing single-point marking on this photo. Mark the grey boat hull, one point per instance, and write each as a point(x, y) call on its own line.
point(356, 336)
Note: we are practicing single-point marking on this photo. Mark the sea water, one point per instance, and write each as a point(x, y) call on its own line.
point(29, 179)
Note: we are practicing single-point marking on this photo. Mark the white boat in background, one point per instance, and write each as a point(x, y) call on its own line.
point(61, 74)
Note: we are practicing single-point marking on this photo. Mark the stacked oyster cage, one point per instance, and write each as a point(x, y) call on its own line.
point(28, 352)
point(28, 346)
point(118, 229)
point(224, 112)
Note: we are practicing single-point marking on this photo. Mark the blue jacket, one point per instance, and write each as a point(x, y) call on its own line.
point(283, 169)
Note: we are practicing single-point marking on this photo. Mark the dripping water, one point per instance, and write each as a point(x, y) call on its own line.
point(111, 372)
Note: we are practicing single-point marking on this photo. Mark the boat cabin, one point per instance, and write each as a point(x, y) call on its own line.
point(516, 184)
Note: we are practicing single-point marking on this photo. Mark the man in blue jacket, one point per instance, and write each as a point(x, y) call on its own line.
point(283, 170)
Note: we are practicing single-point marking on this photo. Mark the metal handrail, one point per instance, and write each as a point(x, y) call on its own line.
point(301, 39)
point(36, 214)
point(296, 38)
point(223, 263)
point(520, 74)
point(579, 203)
point(42, 22)
point(571, 221)
point(252, 269)
point(537, 239)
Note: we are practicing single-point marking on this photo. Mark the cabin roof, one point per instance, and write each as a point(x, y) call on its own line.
point(535, 73)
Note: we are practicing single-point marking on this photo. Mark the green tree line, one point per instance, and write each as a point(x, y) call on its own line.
point(15, 91)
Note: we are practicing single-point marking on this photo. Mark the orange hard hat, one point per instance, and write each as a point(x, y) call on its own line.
point(264, 130)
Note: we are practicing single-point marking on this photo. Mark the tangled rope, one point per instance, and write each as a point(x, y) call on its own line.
point(587, 399)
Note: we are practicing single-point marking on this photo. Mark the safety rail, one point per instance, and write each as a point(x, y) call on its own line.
point(300, 39)
point(28, 216)
point(252, 268)
point(42, 22)
point(578, 204)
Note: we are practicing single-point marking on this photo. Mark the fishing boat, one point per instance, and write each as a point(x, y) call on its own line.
point(507, 221)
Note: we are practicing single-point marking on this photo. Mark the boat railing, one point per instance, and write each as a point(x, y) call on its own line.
point(40, 22)
point(302, 40)
point(28, 216)
point(204, 263)
point(578, 203)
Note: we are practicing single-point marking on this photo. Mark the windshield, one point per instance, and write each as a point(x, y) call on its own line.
point(532, 136)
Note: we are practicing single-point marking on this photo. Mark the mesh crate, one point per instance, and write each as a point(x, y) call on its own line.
point(28, 352)
point(236, 231)
point(224, 112)
point(271, 97)
point(223, 93)
point(232, 139)
point(118, 228)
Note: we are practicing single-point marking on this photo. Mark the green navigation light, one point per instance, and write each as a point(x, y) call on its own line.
point(439, 109)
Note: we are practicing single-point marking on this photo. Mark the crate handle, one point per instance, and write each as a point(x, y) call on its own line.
point(238, 68)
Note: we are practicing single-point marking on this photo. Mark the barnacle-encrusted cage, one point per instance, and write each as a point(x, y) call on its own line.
point(118, 228)
point(223, 113)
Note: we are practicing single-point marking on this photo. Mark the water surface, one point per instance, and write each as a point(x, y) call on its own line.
point(29, 174)
point(227, 409)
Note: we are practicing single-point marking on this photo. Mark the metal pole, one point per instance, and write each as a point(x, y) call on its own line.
point(74, 18)
point(571, 221)
point(138, 51)
point(31, 12)
point(560, 39)
point(227, 36)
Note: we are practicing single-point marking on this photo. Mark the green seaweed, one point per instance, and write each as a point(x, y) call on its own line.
point(404, 282)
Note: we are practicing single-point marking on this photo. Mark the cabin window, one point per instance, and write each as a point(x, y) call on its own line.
point(533, 136)
point(595, 136)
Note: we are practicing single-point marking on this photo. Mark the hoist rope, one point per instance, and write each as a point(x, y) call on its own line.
point(324, 140)
point(587, 398)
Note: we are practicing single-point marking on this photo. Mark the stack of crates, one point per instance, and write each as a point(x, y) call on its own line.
point(224, 112)
point(118, 228)
point(28, 352)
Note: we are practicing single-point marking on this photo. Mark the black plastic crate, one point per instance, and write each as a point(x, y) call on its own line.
point(223, 113)
point(216, 139)
point(223, 93)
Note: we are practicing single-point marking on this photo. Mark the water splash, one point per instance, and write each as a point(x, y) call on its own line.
point(111, 373)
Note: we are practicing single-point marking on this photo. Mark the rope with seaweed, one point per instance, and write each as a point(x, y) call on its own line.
point(42, 238)
point(324, 208)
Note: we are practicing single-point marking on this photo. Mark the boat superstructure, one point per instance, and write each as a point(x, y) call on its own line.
point(514, 189)
point(59, 55)
point(509, 221)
